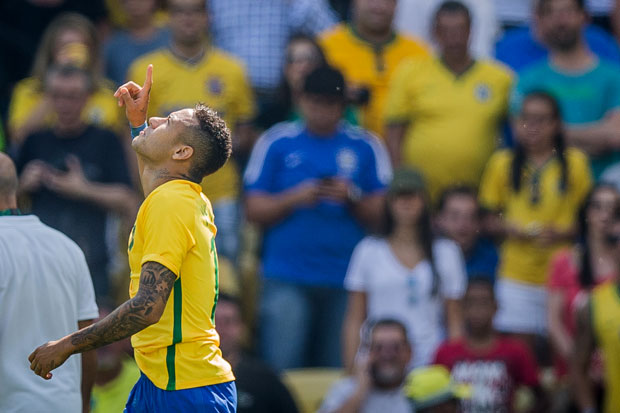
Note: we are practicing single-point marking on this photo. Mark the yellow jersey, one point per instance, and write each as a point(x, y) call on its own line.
point(112, 396)
point(101, 109)
point(527, 261)
point(452, 121)
point(365, 65)
point(605, 307)
point(217, 80)
point(175, 228)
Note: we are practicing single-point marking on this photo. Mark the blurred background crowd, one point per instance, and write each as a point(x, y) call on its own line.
point(414, 183)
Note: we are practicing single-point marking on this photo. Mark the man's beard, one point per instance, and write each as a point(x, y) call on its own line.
point(386, 377)
point(564, 40)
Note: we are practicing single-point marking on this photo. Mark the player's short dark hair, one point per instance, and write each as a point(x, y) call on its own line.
point(450, 7)
point(541, 5)
point(66, 71)
point(481, 280)
point(460, 190)
point(211, 141)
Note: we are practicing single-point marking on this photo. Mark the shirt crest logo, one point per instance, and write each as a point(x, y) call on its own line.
point(215, 86)
point(347, 161)
point(482, 92)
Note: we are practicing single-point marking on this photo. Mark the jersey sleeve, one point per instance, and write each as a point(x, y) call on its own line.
point(398, 104)
point(494, 185)
point(356, 279)
point(23, 100)
point(378, 171)
point(451, 268)
point(168, 228)
point(87, 307)
point(263, 166)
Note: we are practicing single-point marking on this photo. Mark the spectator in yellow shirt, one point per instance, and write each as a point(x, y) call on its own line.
point(443, 114)
point(534, 193)
point(192, 70)
point(71, 39)
point(367, 52)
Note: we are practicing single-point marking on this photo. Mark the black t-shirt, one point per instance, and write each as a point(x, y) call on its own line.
point(103, 161)
point(260, 390)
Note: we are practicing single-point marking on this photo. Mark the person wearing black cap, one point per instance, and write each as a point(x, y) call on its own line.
point(312, 185)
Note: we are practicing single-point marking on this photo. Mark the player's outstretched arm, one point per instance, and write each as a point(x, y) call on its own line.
point(134, 315)
point(135, 98)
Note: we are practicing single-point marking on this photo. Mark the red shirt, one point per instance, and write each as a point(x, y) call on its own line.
point(564, 277)
point(494, 374)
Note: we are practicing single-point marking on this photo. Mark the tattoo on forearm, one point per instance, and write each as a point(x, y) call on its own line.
point(156, 282)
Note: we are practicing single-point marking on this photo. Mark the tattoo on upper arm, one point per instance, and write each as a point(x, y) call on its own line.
point(156, 282)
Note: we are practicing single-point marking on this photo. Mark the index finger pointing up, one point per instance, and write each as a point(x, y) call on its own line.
point(148, 81)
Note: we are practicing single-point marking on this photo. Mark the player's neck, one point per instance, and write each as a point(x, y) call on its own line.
point(153, 177)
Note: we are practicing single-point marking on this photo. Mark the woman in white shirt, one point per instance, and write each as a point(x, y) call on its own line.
point(407, 275)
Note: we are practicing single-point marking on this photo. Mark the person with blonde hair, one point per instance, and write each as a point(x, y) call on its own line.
point(70, 39)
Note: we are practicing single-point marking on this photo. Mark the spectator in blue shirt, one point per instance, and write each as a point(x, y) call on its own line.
point(142, 36)
point(586, 86)
point(520, 47)
point(458, 218)
point(313, 186)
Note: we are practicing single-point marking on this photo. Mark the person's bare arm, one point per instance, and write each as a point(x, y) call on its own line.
point(134, 315)
point(560, 339)
point(370, 210)
point(454, 318)
point(394, 136)
point(597, 137)
point(267, 209)
point(89, 370)
point(353, 321)
point(585, 343)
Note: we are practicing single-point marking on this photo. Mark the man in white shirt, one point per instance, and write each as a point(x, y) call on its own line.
point(381, 369)
point(45, 291)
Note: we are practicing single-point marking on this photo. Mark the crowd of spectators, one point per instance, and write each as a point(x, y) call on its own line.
point(432, 183)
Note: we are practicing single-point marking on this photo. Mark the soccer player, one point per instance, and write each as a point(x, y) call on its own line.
point(174, 269)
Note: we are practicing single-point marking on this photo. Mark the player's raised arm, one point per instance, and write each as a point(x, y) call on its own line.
point(135, 98)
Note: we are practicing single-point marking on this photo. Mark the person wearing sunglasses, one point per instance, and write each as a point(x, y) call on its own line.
point(598, 326)
point(532, 194)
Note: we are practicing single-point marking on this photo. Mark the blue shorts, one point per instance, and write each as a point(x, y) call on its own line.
point(145, 397)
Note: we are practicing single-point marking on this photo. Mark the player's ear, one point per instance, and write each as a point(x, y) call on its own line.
point(182, 153)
